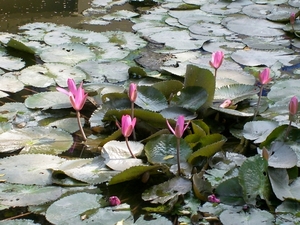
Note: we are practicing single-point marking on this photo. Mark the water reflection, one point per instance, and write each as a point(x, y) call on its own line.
point(14, 13)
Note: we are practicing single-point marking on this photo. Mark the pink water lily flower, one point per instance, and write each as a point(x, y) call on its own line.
point(293, 106)
point(127, 125)
point(132, 93)
point(179, 128)
point(216, 59)
point(264, 76)
point(77, 95)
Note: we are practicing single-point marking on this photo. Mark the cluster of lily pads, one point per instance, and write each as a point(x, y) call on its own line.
point(198, 141)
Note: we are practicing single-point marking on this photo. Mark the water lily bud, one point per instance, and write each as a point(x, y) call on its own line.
point(216, 59)
point(132, 93)
point(293, 109)
point(212, 198)
point(264, 76)
point(114, 200)
point(292, 18)
point(226, 103)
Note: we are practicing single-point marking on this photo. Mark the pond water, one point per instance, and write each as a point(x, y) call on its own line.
point(15, 13)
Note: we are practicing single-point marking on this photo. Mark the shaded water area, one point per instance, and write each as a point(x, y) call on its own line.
point(16, 13)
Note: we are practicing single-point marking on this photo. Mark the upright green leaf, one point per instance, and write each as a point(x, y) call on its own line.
point(254, 179)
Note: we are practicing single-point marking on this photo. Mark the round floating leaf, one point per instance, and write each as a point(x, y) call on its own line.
point(25, 195)
point(84, 208)
point(68, 124)
point(253, 217)
point(132, 173)
point(46, 100)
point(67, 53)
point(36, 140)
point(253, 179)
point(162, 149)
point(18, 222)
point(166, 191)
point(265, 28)
point(191, 97)
point(173, 112)
point(10, 84)
point(177, 39)
point(29, 169)
point(284, 89)
point(36, 76)
point(62, 72)
point(236, 92)
point(282, 156)
point(11, 63)
point(151, 99)
point(105, 71)
point(92, 171)
point(258, 130)
point(257, 57)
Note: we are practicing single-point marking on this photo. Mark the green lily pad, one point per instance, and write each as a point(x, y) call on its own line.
point(166, 191)
point(132, 173)
point(162, 149)
point(67, 53)
point(11, 63)
point(83, 208)
point(253, 179)
point(282, 156)
point(191, 97)
point(10, 84)
point(29, 169)
point(36, 76)
point(151, 99)
point(46, 100)
point(36, 140)
point(252, 217)
point(91, 171)
point(25, 195)
point(258, 130)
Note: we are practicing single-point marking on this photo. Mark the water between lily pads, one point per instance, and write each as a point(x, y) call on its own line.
point(14, 13)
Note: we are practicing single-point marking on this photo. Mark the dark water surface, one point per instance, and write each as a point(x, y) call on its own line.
point(14, 13)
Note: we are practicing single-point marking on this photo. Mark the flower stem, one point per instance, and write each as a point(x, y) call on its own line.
point(80, 126)
point(132, 116)
point(258, 102)
point(216, 73)
point(178, 156)
point(126, 140)
point(288, 130)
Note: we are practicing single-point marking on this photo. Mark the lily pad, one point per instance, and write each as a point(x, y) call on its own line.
point(67, 53)
point(92, 171)
point(25, 195)
point(163, 150)
point(83, 208)
point(164, 192)
point(36, 140)
point(252, 217)
point(46, 100)
point(29, 169)
point(258, 130)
